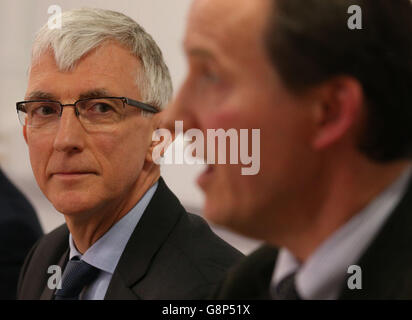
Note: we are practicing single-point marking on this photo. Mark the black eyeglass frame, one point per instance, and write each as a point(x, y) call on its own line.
point(125, 100)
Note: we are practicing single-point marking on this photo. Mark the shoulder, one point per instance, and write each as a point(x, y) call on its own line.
point(201, 248)
point(187, 259)
point(250, 279)
point(189, 264)
point(55, 239)
point(192, 237)
point(46, 252)
point(50, 247)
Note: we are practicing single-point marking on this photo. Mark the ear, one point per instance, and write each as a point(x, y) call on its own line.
point(161, 138)
point(338, 111)
point(25, 133)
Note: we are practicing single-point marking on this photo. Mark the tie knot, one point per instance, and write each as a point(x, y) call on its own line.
point(77, 275)
point(286, 289)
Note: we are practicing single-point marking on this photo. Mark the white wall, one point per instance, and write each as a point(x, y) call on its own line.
point(19, 20)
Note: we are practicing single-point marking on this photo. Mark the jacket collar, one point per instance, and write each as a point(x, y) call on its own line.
point(157, 222)
point(47, 293)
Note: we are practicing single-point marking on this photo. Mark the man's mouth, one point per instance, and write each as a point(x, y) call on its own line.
point(72, 174)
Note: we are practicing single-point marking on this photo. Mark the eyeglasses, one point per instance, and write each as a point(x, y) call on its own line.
point(92, 112)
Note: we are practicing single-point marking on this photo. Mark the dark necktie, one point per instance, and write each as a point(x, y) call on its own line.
point(77, 275)
point(286, 289)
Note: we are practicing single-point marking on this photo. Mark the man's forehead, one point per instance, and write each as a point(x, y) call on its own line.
point(228, 12)
point(109, 54)
point(226, 21)
point(110, 67)
point(85, 94)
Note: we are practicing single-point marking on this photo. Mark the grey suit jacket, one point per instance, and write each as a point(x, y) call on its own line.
point(171, 254)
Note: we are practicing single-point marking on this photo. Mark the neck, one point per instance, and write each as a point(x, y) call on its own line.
point(88, 227)
point(337, 196)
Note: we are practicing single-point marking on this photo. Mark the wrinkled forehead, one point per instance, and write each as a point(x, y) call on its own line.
point(229, 22)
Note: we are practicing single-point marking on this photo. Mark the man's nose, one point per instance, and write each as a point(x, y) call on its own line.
point(70, 135)
point(178, 110)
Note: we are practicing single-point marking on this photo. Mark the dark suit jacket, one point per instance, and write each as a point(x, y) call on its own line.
point(386, 265)
point(171, 255)
point(19, 230)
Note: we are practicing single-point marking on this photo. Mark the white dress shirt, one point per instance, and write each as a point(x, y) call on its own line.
point(323, 275)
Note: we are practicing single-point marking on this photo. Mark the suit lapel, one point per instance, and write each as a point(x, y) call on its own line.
point(119, 289)
point(47, 293)
point(157, 222)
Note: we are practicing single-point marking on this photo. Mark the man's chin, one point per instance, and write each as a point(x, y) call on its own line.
point(72, 205)
point(72, 210)
point(218, 212)
point(232, 217)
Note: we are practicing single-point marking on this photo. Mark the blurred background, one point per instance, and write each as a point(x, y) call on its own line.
point(19, 21)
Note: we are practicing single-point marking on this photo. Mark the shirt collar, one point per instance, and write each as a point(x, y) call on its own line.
point(105, 253)
point(323, 274)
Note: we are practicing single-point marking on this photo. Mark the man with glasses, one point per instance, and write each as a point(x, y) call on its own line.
point(95, 89)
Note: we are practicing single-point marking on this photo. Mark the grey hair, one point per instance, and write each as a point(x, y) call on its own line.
point(83, 30)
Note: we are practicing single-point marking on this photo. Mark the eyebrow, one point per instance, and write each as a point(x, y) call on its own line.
point(200, 53)
point(41, 95)
point(95, 93)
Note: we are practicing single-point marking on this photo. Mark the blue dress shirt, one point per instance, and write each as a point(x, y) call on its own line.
point(105, 253)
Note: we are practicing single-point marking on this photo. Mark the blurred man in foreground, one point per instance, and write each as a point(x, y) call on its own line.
point(333, 198)
point(94, 89)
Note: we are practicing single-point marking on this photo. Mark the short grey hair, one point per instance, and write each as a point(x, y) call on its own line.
point(83, 30)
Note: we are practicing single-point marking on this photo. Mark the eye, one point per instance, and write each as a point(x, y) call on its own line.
point(44, 110)
point(101, 107)
point(210, 76)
